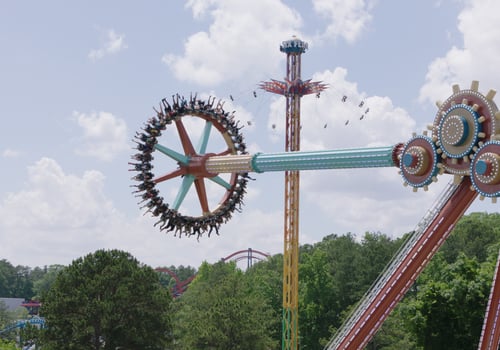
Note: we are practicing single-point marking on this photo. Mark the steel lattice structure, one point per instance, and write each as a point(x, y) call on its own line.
point(293, 88)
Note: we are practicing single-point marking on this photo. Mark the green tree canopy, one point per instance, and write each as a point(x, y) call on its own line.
point(15, 282)
point(266, 280)
point(221, 311)
point(472, 236)
point(333, 275)
point(43, 279)
point(450, 303)
point(183, 273)
point(107, 300)
point(7, 345)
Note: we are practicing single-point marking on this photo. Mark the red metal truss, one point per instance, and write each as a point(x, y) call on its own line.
point(490, 335)
point(404, 275)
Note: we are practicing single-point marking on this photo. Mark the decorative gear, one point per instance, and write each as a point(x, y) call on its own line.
point(419, 161)
point(485, 170)
point(463, 123)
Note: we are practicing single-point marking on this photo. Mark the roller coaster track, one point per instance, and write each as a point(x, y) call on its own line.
point(35, 321)
point(404, 269)
point(181, 286)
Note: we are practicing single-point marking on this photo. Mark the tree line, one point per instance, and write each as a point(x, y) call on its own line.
point(109, 300)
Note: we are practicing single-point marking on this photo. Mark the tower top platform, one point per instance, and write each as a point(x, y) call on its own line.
point(294, 45)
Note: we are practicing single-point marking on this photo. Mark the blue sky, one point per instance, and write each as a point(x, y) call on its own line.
point(77, 80)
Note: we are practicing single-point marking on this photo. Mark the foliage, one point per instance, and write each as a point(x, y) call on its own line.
point(15, 281)
point(106, 300)
point(7, 345)
point(5, 317)
point(334, 274)
point(220, 310)
point(226, 308)
point(395, 333)
point(30, 335)
point(266, 280)
point(43, 279)
point(25, 282)
point(472, 236)
point(182, 272)
point(317, 302)
point(449, 307)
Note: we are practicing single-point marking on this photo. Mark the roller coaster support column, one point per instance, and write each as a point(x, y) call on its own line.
point(293, 88)
point(490, 335)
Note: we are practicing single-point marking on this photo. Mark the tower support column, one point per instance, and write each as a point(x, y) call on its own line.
point(293, 88)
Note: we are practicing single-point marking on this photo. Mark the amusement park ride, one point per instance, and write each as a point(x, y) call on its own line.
point(463, 141)
point(180, 287)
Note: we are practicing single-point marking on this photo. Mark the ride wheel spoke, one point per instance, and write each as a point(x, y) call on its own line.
point(170, 175)
point(187, 182)
point(181, 158)
point(202, 146)
point(202, 195)
point(184, 137)
point(220, 181)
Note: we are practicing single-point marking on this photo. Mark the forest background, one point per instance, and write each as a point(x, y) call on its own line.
point(225, 305)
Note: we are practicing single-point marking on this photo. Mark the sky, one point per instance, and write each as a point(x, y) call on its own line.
point(78, 80)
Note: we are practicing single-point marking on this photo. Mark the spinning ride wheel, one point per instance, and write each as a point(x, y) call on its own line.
point(188, 117)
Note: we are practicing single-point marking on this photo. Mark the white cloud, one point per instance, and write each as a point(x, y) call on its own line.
point(476, 60)
point(10, 153)
point(241, 41)
point(104, 135)
point(241, 32)
point(55, 200)
point(347, 19)
point(59, 217)
point(113, 44)
point(354, 200)
point(50, 219)
point(200, 7)
point(329, 123)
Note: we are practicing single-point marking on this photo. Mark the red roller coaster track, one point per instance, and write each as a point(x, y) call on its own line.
point(180, 286)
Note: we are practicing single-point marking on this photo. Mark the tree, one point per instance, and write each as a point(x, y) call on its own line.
point(472, 236)
point(7, 273)
point(14, 281)
point(7, 345)
point(106, 300)
point(317, 300)
point(334, 274)
point(220, 311)
point(183, 275)
point(450, 304)
point(266, 279)
point(5, 319)
point(396, 332)
point(43, 281)
point(377, 250)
